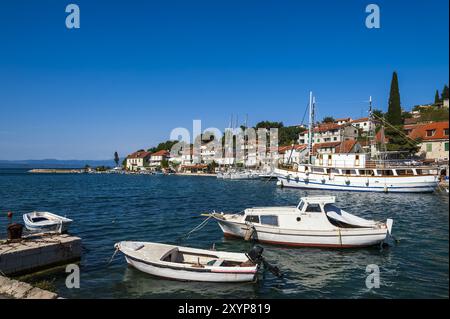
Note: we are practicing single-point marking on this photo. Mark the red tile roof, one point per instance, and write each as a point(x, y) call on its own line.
point(139, 154)
point(327, 127)
point(284, 149)
point(161, 153)
point(419, 131)
point(364, 119)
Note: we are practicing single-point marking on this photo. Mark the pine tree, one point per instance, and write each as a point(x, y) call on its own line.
point(394, 114)
point(437, 99)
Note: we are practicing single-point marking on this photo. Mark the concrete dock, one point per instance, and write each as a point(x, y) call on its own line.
point(34, 253)
point(14, 289)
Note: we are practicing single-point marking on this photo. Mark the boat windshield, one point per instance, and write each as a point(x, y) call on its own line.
point(301, 205)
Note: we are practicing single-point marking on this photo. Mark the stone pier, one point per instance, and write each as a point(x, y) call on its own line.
point(38, 252)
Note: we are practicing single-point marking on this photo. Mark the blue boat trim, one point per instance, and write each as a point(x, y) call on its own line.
point(367, 188)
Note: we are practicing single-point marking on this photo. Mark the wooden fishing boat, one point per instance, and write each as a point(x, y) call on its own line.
point(315, 221)
point(188, 264)
point(46, 222)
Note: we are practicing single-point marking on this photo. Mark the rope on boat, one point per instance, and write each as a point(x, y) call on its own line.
point(113, 255)
point(196, 228)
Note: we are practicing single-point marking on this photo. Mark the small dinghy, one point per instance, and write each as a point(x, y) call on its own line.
point(191, 264)
point(46, 222)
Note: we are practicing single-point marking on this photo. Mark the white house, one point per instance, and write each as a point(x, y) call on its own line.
point(433, 137)
point(330, 132)
point(363, 123)
point(157, 157)
point(138, 160)
point(343, 121)
point(293, 154)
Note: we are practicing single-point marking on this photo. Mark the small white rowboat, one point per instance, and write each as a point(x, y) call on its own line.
point(188, 264)
point(46, 222)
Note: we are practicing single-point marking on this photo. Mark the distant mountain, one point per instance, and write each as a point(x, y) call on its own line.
point(54, 163)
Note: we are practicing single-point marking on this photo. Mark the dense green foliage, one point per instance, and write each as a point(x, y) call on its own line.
point(434, 114)
point(437, 98)
point(394, 114)
point(167, 145)
point(328, 119)
point(287, 135)
point(399, 142)
point(445, 93)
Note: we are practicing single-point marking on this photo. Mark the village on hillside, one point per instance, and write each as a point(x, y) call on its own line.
point(419, 135)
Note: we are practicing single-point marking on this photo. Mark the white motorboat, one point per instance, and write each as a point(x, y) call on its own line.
point(315, 221)
point(188, 264)
point(46, 222)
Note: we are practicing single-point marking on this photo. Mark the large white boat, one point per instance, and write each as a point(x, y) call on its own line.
point(314, 222)
point(356, 171)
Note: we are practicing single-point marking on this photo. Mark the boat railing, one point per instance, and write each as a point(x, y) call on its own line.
point(383, 164)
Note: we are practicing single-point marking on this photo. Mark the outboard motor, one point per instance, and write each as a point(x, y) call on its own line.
point(255, 256)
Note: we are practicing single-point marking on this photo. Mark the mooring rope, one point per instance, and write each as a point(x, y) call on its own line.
point(196, 228)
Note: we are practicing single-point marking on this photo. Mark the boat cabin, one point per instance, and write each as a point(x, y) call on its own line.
point(314, 213)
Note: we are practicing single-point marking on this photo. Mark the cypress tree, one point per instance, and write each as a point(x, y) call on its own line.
point(444, 93)
point(394, 114)
point(437, 99)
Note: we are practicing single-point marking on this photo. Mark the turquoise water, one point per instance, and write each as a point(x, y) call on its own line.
point(110, 208)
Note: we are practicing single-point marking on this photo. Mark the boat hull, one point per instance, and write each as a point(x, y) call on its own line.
point(414, 184)
point(337, 238)
point(203, 275)
point(52, 222)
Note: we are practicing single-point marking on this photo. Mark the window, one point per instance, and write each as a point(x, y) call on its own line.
point(252, 218)
point(431, 133)
point(429, 147)
point(313, 208)
point(446, 147)
point(446, 132)
point(271, 220)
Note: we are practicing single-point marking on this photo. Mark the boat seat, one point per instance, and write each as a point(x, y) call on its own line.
point(173, 256)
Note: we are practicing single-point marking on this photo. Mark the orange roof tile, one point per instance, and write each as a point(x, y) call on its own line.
point(139, 154)
point(419, 131)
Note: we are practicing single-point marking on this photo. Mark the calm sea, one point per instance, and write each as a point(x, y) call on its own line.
point(110, 208)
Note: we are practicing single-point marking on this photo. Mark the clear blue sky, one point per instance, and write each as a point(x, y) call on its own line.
point(137, 69)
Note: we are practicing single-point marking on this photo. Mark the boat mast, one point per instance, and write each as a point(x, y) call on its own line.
point(310, 127)
point(371, 130)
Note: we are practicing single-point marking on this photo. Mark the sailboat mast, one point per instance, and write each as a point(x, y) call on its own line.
point(310, 127)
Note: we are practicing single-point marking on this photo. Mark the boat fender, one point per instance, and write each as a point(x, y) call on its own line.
point(323, 180)
point(249, 233)
point(385, 189)
point(331, 177)
point(347, 181)
point(288, 177)
point(367, 182)
point(297, 179)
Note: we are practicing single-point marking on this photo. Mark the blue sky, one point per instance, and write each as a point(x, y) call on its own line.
point(137, 69)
